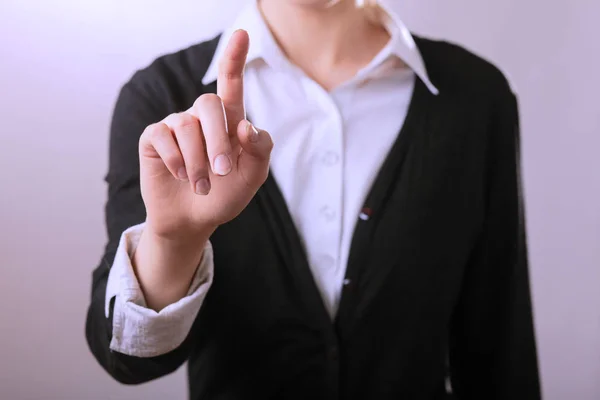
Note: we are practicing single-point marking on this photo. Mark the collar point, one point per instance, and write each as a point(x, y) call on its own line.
point(431, 87)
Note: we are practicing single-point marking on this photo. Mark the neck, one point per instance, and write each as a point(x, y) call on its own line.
point(318, 38)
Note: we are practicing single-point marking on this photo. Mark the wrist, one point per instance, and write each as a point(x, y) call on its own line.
point(165, 266)
point(170, 256)
point(179, 240)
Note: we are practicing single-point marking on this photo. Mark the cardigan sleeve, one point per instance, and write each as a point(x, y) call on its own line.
point(139, 105)
point(492, 342)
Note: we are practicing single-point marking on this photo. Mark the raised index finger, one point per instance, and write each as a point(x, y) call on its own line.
point(230, 83)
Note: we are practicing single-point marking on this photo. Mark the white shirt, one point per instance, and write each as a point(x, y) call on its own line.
point(324, 161)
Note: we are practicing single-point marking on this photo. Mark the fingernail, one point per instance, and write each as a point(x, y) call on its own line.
point(182, 174)
point(222, 165)
point(253, 134)
point(203, 186)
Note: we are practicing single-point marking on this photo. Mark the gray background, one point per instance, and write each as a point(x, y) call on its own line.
point(61, 65)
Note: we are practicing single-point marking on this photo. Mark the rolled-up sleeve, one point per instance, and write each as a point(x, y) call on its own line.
point(137, 330)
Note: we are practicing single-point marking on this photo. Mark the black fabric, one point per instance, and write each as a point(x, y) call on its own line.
point(438, 274)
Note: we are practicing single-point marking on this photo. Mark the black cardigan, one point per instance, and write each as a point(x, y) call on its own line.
point(438, 276)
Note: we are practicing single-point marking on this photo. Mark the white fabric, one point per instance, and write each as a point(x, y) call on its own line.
point(328, 150)
point(140, 331)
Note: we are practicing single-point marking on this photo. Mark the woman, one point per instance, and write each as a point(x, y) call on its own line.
point(376, 249)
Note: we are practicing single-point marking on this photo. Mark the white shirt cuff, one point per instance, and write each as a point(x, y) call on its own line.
point(139, 331)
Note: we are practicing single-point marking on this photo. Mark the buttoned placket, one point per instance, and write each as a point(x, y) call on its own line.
point(327, 202)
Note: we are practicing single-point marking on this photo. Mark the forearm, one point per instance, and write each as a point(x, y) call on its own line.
point(165, 267)
point(137, 330)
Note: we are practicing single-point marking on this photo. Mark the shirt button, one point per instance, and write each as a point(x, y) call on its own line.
point(330, 158)
point(327, 262)
point(328, 213)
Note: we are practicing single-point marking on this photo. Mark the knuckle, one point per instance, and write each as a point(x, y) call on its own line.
point(270, 147)
point(198, 170)
point(206, 100)
point(185, 123)
point(172, 159)
point(229, 76)
point(154, 131)
point(269, 142)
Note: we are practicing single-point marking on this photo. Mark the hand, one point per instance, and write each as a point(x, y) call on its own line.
point(200, 168)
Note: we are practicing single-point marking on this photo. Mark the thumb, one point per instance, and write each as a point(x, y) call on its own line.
point(254, 158)
point(255, 142)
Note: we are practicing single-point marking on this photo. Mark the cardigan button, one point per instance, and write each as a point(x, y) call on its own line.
point(334, 353)
point(365, 214)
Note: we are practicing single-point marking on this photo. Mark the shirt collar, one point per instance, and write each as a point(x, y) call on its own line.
point(263, 45)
